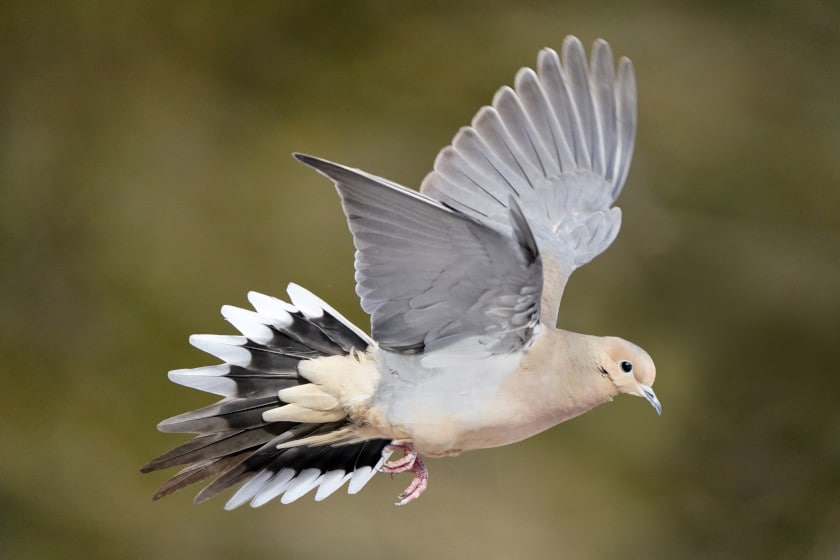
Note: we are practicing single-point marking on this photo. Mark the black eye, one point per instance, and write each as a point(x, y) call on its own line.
point(626, 366)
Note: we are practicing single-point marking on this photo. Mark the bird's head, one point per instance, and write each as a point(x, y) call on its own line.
point(629, 368)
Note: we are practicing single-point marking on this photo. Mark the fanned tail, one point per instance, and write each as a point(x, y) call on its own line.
point(290, 450)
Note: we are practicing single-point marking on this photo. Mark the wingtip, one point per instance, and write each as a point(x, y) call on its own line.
point(524, 75)
point(572, 42)
point(600, 43)
point(504, 94)
point(316, 163)
point(325, 167)
point(301, 157)
point(625, 69)
point(602, 54)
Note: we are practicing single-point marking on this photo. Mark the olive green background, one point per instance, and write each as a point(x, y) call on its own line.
point(145, 180)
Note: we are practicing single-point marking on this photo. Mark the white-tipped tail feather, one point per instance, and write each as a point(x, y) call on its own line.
point(276, 430)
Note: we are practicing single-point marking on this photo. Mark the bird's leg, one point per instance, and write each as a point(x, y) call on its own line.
point(410, 461)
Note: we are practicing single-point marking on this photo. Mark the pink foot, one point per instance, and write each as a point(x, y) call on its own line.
point(411, 461)
point(405, 463)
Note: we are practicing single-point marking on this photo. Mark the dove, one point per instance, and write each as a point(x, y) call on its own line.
point(462, 281)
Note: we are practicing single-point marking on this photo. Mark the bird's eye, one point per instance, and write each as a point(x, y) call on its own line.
point(626, 366)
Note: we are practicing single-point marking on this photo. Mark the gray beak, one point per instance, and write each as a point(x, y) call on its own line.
point(651, 397)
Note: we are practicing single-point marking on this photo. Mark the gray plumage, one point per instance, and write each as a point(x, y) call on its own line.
point(463, 283)
point(560, 143)
point(430, 276)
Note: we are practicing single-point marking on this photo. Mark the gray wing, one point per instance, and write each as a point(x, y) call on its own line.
point(560, 144)
point(433, 278)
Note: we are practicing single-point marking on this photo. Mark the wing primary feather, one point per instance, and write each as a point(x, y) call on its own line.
point(469, 135)
point(577, 76)
point(533, 98)
point(603, 91)
point(626, 121)
point(567, 130)
point(559, 99)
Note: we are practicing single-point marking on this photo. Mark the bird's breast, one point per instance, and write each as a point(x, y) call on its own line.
point(446, 411)
point(489, 403)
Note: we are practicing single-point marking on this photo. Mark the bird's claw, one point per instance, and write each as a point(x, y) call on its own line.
point(411, 461)
point(405, 463)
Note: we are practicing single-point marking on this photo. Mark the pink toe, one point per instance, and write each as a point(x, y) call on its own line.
point(403, 464)
point(418, 484)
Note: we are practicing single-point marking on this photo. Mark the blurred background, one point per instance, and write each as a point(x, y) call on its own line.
point(146, 179)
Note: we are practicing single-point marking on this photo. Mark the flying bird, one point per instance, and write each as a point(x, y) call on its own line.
point(463, 282)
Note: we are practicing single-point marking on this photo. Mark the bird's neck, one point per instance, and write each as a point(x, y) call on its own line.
point(564, 366)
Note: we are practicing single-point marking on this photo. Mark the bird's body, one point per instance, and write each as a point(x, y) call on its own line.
point(463, 283)
point(447, 411)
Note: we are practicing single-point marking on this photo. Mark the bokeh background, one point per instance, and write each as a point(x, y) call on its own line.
point(145, 180)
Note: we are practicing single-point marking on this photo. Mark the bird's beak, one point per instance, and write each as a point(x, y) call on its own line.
point(648, 393)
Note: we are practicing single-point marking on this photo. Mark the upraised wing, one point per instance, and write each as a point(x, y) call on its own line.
point(559, 144)
point(433, 278)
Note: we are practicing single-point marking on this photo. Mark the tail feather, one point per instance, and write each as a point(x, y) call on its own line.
point(236, 441)
point(269, 458)
point(356, 463)
point(213, 446)
point(330, 321)
point(235, 381)
point(227, 414)
point(199, 471)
